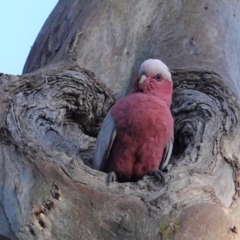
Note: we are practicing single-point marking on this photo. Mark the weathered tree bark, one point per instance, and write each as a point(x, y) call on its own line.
point(86, 57)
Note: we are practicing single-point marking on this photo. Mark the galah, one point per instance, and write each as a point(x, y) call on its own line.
point(136, 137)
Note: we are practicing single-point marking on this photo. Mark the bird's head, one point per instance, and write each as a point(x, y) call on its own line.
point(155, 79)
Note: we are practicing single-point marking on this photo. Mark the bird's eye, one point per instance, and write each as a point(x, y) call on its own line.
point(158, 77)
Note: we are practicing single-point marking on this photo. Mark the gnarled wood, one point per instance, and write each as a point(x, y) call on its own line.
point(50, 118)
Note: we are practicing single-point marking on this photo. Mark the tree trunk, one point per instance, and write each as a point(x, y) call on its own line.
point(85, 57)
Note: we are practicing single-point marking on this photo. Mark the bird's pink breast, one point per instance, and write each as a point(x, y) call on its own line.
point(144, 127)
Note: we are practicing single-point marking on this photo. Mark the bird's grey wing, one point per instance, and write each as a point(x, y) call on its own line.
point(167, 152)
point(104, 142)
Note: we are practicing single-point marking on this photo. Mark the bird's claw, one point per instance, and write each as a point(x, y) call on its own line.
point(112, 177)
point(157, 173)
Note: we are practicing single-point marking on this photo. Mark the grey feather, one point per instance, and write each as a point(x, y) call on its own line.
point(104, 142)
point(167, 154)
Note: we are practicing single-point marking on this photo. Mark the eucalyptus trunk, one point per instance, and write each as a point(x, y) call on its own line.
point(86, 57)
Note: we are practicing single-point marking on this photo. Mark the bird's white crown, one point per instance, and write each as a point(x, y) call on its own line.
point(152, 67)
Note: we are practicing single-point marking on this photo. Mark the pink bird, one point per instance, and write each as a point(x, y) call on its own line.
point(136, 137)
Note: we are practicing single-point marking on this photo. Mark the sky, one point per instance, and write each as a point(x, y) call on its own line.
point(20, 23)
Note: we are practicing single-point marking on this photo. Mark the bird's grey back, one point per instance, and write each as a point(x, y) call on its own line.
point(104, 142)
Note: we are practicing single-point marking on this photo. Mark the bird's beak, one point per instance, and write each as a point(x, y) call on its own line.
point(142, 80)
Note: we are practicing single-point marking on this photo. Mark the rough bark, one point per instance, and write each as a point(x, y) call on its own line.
point(85, 57)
